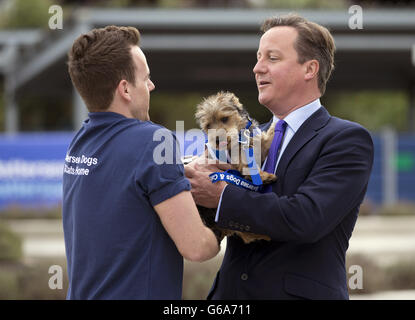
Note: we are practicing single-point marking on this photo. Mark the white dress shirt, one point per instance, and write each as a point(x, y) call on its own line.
point(294, 121)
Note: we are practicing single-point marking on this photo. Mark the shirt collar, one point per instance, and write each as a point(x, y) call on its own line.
point(296, 118)
point(106, 115)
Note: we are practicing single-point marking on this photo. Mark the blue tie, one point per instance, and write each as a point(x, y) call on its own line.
point(274, 150)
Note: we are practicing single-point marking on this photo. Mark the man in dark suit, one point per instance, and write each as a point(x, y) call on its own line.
point(322, 163)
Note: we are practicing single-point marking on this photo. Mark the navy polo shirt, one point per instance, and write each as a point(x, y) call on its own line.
point(116, 246)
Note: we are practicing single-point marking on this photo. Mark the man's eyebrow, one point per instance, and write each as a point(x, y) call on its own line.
point(270, 51)
point(274, 51)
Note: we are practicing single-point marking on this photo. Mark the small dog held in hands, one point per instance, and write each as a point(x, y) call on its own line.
point(223, 118)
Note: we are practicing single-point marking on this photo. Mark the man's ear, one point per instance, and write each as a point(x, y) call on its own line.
point(123, 90)
point(311, 69)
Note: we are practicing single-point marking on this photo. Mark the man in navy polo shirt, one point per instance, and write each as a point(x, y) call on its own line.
point(127, 220)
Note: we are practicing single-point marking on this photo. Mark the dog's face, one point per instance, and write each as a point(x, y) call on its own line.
point(220, 111)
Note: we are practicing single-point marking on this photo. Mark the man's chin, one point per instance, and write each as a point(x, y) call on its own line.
point(263, 100)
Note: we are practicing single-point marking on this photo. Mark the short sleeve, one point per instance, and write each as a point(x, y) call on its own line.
point(160, 172)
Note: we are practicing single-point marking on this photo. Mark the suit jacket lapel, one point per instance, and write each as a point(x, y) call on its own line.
point(307, 131)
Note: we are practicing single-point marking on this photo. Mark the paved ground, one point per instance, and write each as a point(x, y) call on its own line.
point(387, 295)
point(384, 239)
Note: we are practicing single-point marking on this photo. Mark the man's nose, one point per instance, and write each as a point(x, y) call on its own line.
point(152, 86)
point(259, 67)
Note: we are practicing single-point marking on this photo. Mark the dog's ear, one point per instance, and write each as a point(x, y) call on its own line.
point(198, 115)
point(221, 97)
point(200, 112)
point(233, 99)
point(236, 103)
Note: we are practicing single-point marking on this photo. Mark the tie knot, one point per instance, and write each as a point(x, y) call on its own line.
point(280, 126)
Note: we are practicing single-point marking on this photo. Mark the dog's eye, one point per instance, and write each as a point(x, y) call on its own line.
point(208, 126)
point(224, 119)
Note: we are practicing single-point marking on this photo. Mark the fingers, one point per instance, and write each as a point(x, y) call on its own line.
point(201, 167)
point(213, 167)
point(223, 166)
point(189, 171)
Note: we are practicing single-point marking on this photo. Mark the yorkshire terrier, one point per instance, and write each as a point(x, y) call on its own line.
point(223, 118)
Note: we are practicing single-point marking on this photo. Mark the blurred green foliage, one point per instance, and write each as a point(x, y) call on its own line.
point(401, 208)
point(34, 280)
point(398, 209)
point(167, 107)
point(9, 283)
point(26, 14)
point(367, 208)
point(306, 4)
point(45, 113)
point(30, 282)
point(401, 275)
point(198, 277)
point(372, 109)
point(10, 244)
point(330, 4)
point(16, 212)
point(143, 3)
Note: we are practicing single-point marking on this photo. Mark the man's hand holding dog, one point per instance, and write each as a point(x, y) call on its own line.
point(204, 192)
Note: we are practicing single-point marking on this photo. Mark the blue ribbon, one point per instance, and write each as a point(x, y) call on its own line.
point(221, 155)
point(234, 177)
point(253, 168)
point(249, 153)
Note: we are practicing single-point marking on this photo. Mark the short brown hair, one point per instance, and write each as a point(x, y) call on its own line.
point(313, 42)
point(99, 60)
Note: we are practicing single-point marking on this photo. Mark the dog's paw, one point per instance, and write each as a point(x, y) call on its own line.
point(251, 237)
point(267, 177)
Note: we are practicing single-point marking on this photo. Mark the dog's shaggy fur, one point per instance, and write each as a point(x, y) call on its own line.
point(222, 117)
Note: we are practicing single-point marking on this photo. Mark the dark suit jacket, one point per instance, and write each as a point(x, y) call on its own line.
point(310, 215)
